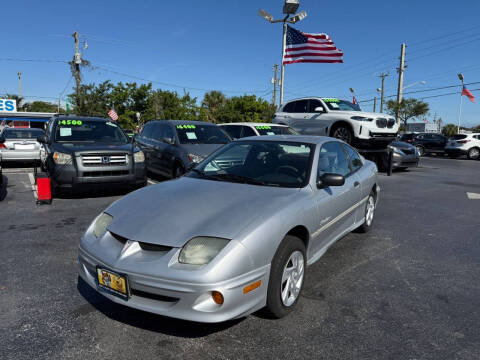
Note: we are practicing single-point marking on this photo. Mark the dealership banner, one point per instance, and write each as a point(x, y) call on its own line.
point(8, 105)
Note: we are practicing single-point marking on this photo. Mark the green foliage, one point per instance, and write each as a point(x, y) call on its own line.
point(407, 109)
point(449, 130)
point(246, 108)
point(41, 106)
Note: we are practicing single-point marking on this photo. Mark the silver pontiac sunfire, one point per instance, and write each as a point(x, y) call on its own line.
point(235, 234)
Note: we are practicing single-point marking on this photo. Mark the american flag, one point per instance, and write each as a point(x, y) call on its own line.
point(113, 114)
point(468, 94)
point(310, 48)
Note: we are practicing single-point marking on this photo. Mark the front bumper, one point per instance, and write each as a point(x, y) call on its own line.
point(182, 299)
point(20, 155)
point(369, 139)
point(409, 160)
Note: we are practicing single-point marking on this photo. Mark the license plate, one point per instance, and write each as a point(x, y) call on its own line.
point(24, 147)
point(115, 283)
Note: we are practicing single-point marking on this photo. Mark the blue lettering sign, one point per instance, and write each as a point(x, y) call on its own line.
point(9, 105)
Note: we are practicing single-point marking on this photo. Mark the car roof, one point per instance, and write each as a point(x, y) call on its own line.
point(253, 124)
point(182, 122)
point(75, 117)
point(310, 139)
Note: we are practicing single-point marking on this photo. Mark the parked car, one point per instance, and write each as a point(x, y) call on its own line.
point(20, 144)
point(172, 147)
point(407, 137)
point(405, 155)
point(338, 118)
point(429, 143)
point(245, 129)
point(80, 151)
point(464, 144)
point(130, 133)
point(228, 239)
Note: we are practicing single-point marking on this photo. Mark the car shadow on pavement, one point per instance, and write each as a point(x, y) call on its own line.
point(148, 321)
point(3, 188)
point(92, 193)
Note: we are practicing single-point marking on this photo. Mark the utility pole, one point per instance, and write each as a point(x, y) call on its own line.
point(20, 94)
point(275, 83)
point(383, 76)
point(77, 60)
point(401, 70)
point(374, 104)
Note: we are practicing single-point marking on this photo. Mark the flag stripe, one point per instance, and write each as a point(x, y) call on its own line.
point(311, 48)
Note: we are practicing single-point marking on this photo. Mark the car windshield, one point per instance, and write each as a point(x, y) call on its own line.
point(73, 130)
point(275, 130)
point(22, 133)
point(201, 134)
point(267, 163)
point(340, 105)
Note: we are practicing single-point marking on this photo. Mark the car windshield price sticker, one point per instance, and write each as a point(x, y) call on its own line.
point(65, 132)
point(186, 127)
point(70, 122)
point(263, 127)
point(191, 135)
point(331, 100)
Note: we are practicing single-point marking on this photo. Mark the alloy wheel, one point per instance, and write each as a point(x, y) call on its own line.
point(292, 278)
point(370, 210)
point(343, 133)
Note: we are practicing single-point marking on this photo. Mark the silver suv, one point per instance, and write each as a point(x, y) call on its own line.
point(337, 118)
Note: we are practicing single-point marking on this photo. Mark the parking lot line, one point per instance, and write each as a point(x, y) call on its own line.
point(473, 196)
point(32, 183)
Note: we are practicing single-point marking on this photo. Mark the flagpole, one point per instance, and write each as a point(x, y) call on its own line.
point(282, 73)
point(460, 110)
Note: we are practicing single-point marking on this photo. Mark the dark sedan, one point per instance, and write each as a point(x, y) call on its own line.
point(404, 155)
point(429, 143)
point(171, 147)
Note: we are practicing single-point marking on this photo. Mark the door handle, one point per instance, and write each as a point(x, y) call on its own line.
point(356, 184)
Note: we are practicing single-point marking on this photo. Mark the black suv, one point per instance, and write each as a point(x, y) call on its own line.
point(172, 147)
point(429, 142)
point(80, 151)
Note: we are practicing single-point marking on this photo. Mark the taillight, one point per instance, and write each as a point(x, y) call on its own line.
point(462, 141)
point(2, 146)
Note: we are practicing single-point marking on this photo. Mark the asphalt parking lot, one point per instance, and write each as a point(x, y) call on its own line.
point(409, 289)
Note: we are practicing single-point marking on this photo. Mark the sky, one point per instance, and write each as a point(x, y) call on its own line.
point(196, 46)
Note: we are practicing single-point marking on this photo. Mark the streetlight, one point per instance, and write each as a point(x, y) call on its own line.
point(290, 7)
point(460, 77)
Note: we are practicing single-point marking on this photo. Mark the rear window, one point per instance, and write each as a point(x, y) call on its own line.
point(22, 134)
point(406, 137)
point(458, 137)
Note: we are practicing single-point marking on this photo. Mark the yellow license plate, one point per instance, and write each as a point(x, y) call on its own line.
point(115, 283)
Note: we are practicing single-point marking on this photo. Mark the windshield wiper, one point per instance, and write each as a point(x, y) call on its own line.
point(239, 178)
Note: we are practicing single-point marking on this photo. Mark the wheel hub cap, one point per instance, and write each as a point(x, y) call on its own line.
point(292, 278)
point(370, 211)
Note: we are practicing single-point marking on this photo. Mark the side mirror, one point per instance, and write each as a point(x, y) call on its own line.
point(42, 139)
point(168, 140)
point(2, 139)
point(319, 109)
point(329, 179)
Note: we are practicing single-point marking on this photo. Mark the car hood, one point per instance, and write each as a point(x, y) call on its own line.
point(173, 212)
point(401, 145)
point(201, 149)
point(83, 147)
point(360, 113)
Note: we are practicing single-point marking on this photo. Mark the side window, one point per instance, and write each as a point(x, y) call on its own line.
point(301, 106)
point(158, 132)
point(146, 131)
point(232, 130)
point(313, 104)
point(290, 107)
point(332, 159)
point(168, 132)
point(355, 161)
point(247, 131)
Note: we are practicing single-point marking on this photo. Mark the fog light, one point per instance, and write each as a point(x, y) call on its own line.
point(217, 297)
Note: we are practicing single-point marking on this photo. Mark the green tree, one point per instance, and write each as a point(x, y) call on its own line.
point(246, 108)
point(407, 109)
point(449, 130)
point(213, 102)
point(41, 106)
point(18, 99)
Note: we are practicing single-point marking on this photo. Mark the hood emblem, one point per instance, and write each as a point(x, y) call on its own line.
point(105, 159)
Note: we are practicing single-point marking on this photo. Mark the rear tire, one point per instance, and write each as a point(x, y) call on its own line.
point(287, 275)
point(369, 213)
point(421, 150)
point(473, 153)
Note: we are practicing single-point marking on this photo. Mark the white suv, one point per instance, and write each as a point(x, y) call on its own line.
point(337, 118)
point(464, 144)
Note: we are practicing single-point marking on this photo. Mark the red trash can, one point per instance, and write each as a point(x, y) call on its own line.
point(44, 192)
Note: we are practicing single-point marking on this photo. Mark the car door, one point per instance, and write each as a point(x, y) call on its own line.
point(284, 116)
point(335, 204)
point(170, 151)
point(143, 142)
point(308, 121)
point(158, 134)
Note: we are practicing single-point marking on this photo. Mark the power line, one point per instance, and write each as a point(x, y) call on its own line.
point(34, 60)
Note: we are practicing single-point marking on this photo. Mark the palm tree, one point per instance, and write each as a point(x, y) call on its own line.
point(18, 99)
point(213, 101)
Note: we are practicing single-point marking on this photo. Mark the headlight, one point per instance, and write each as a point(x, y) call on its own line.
point(396, 150)
point(201, 250)
point(195, 158)
point(361, 118)
point(101, 224)
point(139, 156)
point(61, 158)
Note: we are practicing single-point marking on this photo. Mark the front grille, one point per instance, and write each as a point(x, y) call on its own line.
point(390, 123)
point(104, 159)
point(152, 296)
point(105, 173)
point(143, 245)
point(408, 151)
point(388, 135)
point(381, 122)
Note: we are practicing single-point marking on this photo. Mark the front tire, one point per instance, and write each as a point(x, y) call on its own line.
point(421, 150)
point(369, 213)
point(287, 274)
point(178, 171)
point(473, 153)
point(342, 132)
